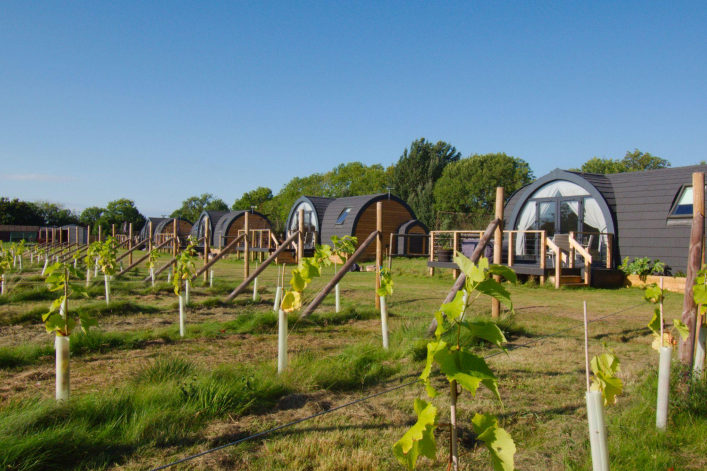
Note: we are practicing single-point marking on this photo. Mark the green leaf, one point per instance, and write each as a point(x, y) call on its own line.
point(467, 369)
point(54, 322)
point(474, 273)
point(499, 442)
point(455, 308)
point(609, 386)
point(503, 271)
point(433, 348)
point(606, 363)
point(682, 329)
point(441, 324)
point(653, 293)
point(419, 440)
point(654, 324)
point(308, 269)
point(699, 292)
point(87, 322)
point(485, 329)
point(52, 268)
point(494, 289)
point(291, 301)
point(297, 282)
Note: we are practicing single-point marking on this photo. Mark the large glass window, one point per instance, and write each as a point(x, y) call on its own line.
point(569, 216)
point(546, 217)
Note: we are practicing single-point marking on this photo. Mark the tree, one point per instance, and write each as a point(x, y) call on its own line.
point(632, 162)
point(193, 206)
point(23, 213)
point(469, 185)
point(55, 214)
point(122, 211)
point(91, 216)
point(354, 179)
point(416, 173)
point(256, 198)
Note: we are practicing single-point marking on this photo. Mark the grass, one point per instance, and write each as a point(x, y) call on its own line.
point(142, 396)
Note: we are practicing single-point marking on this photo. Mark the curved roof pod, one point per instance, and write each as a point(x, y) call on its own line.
point(411, 245)
point(639, 209)
point(145, 231)
point(198, 230)
point(230, 223)
point(166, 226)
point(356, 216)
point(314, 209)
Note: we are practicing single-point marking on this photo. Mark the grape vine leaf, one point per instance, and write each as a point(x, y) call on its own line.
point(474, 273)
point(653, 293)
point(494, 289)
point(682, 329)
point(420, 439)
point(499, 442)
point(298, 282)
point(87, 322)
point(433, 348)
point(699, 292)
point(455, 308)
point(442, 325)
point(467, 369)
point(291, 301)
point(485, 329)
point(610, 386)
point(654, 324)
point(504, 271)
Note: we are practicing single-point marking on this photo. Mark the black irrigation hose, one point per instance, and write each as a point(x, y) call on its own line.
point(386, 391)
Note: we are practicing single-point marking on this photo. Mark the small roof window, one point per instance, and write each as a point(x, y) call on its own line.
point(683, 208)
point(342, 216)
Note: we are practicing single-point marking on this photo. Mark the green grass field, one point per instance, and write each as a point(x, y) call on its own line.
point(142, 396)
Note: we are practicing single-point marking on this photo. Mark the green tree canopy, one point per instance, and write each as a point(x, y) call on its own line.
point(416, 173)
point(354, 179)
point(122, 211)
point(469, 185)
point(91, 216)
point(23, 213)
point(256, 198)
point(193, 206)
point(632, 162)
point(56, 214)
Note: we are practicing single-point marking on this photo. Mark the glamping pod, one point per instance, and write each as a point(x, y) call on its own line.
point(74, 234)
point(356, 216)
point(198, 230)
point(416, 243)
point(165, 228)
point(613, 216)
point(314, 209)
point(232, 224)
point(145, 231)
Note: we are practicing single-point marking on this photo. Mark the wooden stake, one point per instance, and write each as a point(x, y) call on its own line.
point(175, 241)
point(113, 230)
point(130, 244)
point(379, 249)
point(149, 238)
point(498, 248)
point(300, 237)
point(686, 350)
point(207, 249)
point(100, 234)
point(661, 311)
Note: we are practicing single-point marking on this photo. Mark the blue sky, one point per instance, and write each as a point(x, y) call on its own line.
point(158, 101)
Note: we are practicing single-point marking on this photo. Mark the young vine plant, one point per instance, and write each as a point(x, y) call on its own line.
point(605, 367)
point(58, 320)
point(307, 269)
point(345, 246)
point(462, 367)
point(185, 267)
point(655, 295)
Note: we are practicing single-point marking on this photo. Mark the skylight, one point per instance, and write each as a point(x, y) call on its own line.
point(342, 216)
point(684, 206)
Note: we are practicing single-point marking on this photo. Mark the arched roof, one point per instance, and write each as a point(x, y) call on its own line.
point(163, 223)
point(197, 230)
point(405, 227)
point(145, 231)
point(358, 205)
point(590, 182)
point(318, 203)
point(227, 220)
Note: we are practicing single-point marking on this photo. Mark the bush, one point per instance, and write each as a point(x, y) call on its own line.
point(642, 267)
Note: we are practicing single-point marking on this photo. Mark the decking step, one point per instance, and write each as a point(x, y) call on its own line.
point(572, 279)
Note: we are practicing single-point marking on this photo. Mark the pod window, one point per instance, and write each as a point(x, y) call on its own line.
point(342, 216)
point(683, 205)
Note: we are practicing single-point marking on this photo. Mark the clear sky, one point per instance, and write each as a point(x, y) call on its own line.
point(159, 101)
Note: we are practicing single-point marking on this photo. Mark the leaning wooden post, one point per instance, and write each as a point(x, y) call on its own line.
point(686, 350)
point(130, 243)
point(379, 249)
point(300, 237)
point(246, 247)
point(207, 247)
point(498, 248)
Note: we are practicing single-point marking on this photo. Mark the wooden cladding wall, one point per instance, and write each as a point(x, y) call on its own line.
point(394, 215)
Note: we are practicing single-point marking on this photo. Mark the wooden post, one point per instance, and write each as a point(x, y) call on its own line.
point(246, 246)
point(207, 248)
point(432, 252)
point(543, 256)
point(149, 237)
point(609, 250)
point(88, 235)
point(300, 237)
point(510, 248)
point(100, 234)
point(61, 237)
point(455, 247)
point(130, 243)
point(558, 269)
point(390, 253)
point(379, 249)
point(498, 247)
point(261, 253)
point(112, 230)
point(175, 241)
point(686, 349)
point(572, 253)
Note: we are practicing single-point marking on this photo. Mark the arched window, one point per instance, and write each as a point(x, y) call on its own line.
point(561, 207)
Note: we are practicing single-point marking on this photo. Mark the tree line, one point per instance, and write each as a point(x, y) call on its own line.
point(431, 177)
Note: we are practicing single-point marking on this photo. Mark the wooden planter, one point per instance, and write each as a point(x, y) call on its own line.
point(444, 255)
point(670, 283)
